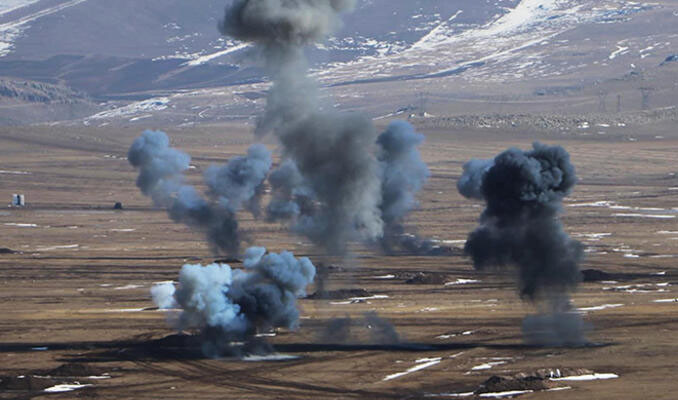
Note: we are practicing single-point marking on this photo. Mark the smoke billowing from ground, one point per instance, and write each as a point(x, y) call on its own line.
point(228, 305)
point(336, 183)
point(519, 227)
point(403, 174)
point(349, 330)
point(333, 196)
point(238, 183)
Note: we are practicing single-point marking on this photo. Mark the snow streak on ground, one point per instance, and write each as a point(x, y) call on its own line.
point(135, 109)
point(477, 52)
point(11, 5)
point(421, 364)
point(10, 31)
point(591, 377)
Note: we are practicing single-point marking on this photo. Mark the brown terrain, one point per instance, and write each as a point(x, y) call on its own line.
point(75, 277)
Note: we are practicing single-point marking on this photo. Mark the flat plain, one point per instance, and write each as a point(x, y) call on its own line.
point(74, 290)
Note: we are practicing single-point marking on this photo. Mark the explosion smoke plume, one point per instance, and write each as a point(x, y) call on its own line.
point(403, 174)
point(161, 176)
point(228, 304)
point(336, 170)
point(519, 227)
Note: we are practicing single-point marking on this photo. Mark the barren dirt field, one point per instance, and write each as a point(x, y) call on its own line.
point(74, 282)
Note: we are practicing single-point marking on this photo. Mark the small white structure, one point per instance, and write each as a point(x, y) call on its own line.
point(18, 200)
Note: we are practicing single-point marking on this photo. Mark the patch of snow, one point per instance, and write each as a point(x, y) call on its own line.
point(591, 377)
point(666, 301)
point(208, 57)
point(128, 287)
point(598, 308)
point(270, 357)
point(594, 237)
point(558, 389)
point(64, 247)
point(375, 297)
point(422, 365)
point(462, 282)
point(488, 365)
point(6, 172)
point(620, 50)
point(136, 108)
point(602, 203)
point(99, 377)
point(11, 30)
point(65, 388)
point(501, 395)
point(657, 216)
point(384, 277)
point(20, 225)
point(11, 5)
point(467, 394)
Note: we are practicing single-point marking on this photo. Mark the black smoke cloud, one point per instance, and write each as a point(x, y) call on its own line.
point(333, 152)
point(161, 176)
point(283, 22)
point(520, 227)
point(228, 305)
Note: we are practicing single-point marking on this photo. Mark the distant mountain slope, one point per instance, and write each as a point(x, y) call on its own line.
point(110, 49)
point(24, 101)
point(388, 55)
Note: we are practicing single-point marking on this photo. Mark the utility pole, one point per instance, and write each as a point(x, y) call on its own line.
point(646, 91)
point(602, 104)
point(422, 99)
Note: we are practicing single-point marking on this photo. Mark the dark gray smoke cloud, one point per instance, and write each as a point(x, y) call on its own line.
point(403, 174)
point(229, 305)
point(161, 176)
point(524, 191)
point(283, 22)
point(332, 151)
point(291, 197)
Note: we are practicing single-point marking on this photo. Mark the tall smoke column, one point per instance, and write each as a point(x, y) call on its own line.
point(161, 176)
point(332, 151)
point(519, 227)
point(404, 173)
point(228, 305)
